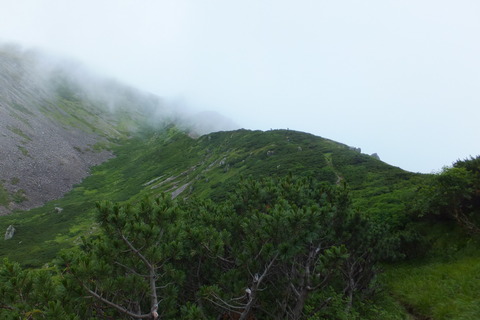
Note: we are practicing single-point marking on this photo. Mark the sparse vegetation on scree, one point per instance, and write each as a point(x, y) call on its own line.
point(55, 126)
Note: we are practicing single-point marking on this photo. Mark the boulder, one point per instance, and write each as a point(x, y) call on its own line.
point(359, 150)
point(10, 232)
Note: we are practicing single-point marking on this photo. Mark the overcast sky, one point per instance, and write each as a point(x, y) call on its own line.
point(399, 78)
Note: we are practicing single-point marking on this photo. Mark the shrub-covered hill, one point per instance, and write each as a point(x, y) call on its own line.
point(170, 161)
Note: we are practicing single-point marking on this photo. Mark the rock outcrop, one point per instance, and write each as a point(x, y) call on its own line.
point(10, 232)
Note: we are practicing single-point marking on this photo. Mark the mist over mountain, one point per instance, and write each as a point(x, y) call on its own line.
point(126, 192)
point(111, 184)
point(57, 119)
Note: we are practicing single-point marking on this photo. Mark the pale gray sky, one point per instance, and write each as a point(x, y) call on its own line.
point(400, 78)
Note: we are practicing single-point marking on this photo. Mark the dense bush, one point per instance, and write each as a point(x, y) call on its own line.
point(454, 194)
point(291, 248)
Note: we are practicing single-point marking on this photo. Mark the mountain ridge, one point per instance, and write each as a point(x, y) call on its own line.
point(154, 162)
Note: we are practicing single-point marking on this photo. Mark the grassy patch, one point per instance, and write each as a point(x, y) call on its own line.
point(101, 145)
point(19, 196)
point(4, 197)
point(440, 290)
point(384, 307)
point(24, 151)
point(19, 132)
point(445, 284)
point(21, 108)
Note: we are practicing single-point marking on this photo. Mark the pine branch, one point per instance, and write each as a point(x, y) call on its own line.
point(116, 306)
point(152, 274)
point(6, 307)
point(137, 252)
point(131, 270)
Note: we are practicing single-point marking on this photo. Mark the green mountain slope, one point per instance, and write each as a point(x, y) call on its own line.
point(170, 161)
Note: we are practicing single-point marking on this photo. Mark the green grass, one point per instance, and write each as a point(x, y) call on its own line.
point(383, 307)
point(24, 151)
point(89, 116)
point(19, 196)
point(444, 284)
point(4, 196)
point(440, 290)
point(102, 145)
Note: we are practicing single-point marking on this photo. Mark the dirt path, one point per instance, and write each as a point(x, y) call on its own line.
point(328, 159)
point(412, 313)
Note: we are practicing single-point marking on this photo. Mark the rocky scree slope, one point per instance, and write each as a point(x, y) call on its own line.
point(55, 123)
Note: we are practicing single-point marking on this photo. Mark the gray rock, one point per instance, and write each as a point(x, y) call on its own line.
point(359, 150)
point(177, 192)
point(375, 155)
point(10, 232)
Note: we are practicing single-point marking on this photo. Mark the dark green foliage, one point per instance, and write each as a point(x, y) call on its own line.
point(31, 294)
point(281, 229)
point(454, 194)
point(276, 248)
point(139, 245)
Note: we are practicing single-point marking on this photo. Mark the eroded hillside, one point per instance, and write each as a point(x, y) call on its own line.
point(55, 123)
